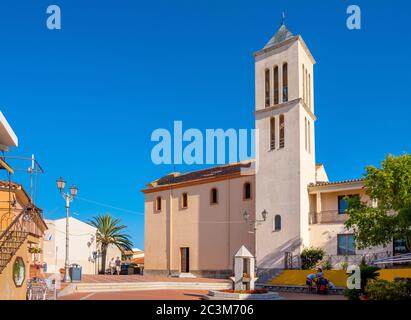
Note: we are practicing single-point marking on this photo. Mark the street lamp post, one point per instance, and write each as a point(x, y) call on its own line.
point(68, 197)
point(255, 223)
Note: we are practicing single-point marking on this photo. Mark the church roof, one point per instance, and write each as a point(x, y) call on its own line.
point(281, 35)
point(204, 175)
point(218, 171)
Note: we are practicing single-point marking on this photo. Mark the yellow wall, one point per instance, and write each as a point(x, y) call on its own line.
point(5, 216)
point(8, 290)
point(337, 277)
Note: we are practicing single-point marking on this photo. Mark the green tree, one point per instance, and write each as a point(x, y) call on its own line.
point(389, 187)
point(310, 257)
point(110, 232)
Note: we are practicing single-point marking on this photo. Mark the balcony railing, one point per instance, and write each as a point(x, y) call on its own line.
point(338, 261)
point(31, 221)
point(355, 259)
point(326, 216)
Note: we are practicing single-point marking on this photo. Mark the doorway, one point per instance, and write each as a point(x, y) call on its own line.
point(185, 260)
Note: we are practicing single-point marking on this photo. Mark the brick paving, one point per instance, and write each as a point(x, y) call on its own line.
point(179, 295)
point(138, 295)
point(313, 296)
point(169, 294)
point(86, 278)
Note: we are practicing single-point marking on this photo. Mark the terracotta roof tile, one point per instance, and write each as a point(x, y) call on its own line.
point(326, 183)
point(139, 260)
point(207, 173)
point(5, 184)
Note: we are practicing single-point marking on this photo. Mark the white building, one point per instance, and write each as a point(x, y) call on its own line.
point(82, 247)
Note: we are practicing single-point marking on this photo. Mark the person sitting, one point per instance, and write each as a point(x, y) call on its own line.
point(310, 281)
point(322, 285)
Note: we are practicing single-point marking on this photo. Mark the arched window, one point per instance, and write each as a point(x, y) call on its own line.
point(276, 86)
point(272, 133)
point(214, 196)
point(247, 191)
point(303, 84)
point(282, 132)
point(184, 200)
point(285, 82)
point(277, 223)
point(267, 87)
point(158, 204)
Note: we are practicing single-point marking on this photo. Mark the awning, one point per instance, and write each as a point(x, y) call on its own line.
point(5, 166)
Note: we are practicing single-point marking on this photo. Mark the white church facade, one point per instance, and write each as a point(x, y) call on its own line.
point(194, 222)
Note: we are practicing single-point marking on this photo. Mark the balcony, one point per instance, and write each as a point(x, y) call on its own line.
point(326, 216)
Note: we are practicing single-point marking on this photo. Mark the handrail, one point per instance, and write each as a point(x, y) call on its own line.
point(23, 211)
point(27, 209)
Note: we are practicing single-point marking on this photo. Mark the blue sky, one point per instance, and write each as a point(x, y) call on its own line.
point(85, 99)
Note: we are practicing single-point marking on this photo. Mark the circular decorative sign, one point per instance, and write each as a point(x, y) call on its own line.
point(19, 272)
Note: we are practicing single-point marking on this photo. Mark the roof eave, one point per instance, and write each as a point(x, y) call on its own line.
point(284, 43)
point(334, 187)
point(8, 137)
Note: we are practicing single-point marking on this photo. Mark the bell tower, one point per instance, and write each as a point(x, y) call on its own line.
point(284, 113)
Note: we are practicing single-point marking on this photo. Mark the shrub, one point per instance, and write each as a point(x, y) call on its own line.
point(310, 257)
point(352, 294)
point(385, 290)
point(327, 265)
point(368, 273)
point(324, 264)
point(344, 265)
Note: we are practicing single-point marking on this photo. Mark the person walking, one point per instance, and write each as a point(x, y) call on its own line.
point(118, 265)
point(112, 266)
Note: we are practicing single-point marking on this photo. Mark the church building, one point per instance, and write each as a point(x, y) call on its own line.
point(275, 205)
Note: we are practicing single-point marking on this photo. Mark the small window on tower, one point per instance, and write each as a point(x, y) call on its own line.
point(285, 82)
point(247, 191)
point(309, 90)
point(272, 133)
point(306, 87)
point(214, 196)
point(277, 223)
point(305, 131)
point(276, 86)
point(184, 200)
point(303, 85)
point(267, 87)
point(309, 137)
point(158, 204)
point(282, 131)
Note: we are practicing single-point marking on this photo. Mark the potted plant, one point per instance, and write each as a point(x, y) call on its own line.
point(35, 250)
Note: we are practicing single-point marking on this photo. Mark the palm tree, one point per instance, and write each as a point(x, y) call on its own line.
point(110, 232)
